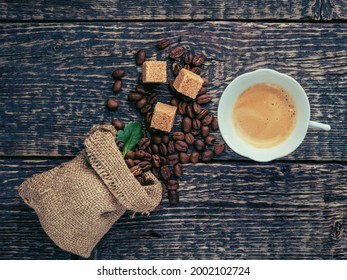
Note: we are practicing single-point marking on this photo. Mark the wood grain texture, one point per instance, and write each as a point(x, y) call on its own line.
point(227, 211)
point(55, 77)
point(173, 10)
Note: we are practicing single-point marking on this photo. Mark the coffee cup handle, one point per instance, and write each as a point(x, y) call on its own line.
point(317, 125)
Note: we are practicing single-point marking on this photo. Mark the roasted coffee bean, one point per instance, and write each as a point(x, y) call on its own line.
point(206, 155)
point(165, 139)
point(134, 96)
point(209, 140)
point(205, 83)
point(148, 118)
point(182, 107)
point(173, 197)
point(207, 120)
point(196, 108)
point(171, 87)
point(184, 157)
point(141, 103)
point(214, 123)
point(163, 44)
point(139, 154)
point(196, 70)
point(199, 145)
point(129, 162)
point(177, 170)
point(147, 156)
point(143, 143)
point(188, 57)
point(146, 108)
point(112, 104)
point(194, 157)
point(130, 154)
point(148, 181)
point(156, 173)
point(174, 102)
point(141, 89)
point(154, 148)
point(198, 59)
point(171, 147)
point(187, 124)
point(202, 91)
point(137, 161)
point(205, 131)
point(186, 66)
point(163, 188)
point(152, 98)
point(145, 165)
point(165, 172)
point(219, 148)
point(156, 161)
point(176, 68)
point(195, 132)
point(136, 170)
point(118, 74)
point(176, 52)
point(117, 86)
point(163, 149)
point(177, 135)
point(196, 124)
point(156, 139)
point(149, 150)
point(140, 179)
point(202, 114)
point(203, 99)
point(117, 124)
point(140, 57)
point(163, 160)
point(181, 146)
point(172, 185)
point(189, 138)
point(172, 159)
point(189, 111)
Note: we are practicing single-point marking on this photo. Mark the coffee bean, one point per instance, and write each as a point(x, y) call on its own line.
point(112, 104)
point(130, 154)
point(202, 114)
point(181, 146)
point(202, 90)
point(149, 150)
point(146, 108)
point(165, 172)
point(163, 160)
point(152, 98)
point(182, 107)
point(207, 120)
point(135, 96)
point(205, 131)
point(156, 139)
point(207, 155)
point(172, 185)
point(137, 161)
point(203, 99)
point(184, 157)
point(205, 83)
point(173, 197)
point(163, 187)
point(196, 124)
point(189, 111)
point(156, 173)
point(177, 135)
point(140, 57)
point(199, 145)
point(136, 170)
point(140, 179)
point(214, 123)
point(118, 74)
point(163, 149)
point(143, 143)
point(165, 139)
point(174, 102)
point(176, 68)
point(177, 170)
point(148, 181)
point(141, 103)
point(171, 147)
point(139, 154)
point(129, 162)
point(195, 132)
point(219, 148)
point(171, 87)
point(186, 124)
point(172, 159)
point(118, 124)
point(198, 59)
point(176, 52)
point(189, 138)
point(141, 89)
point(163, 44)
point(117, 86)
point(186, 66)
point(196, 70)
point(209, 140)
point(145, 166)
point(156, 161)
point(147, 156)
point(148, 118)
point(188, 58)
point(154, 148)
point(194, 157)
point(196, 108)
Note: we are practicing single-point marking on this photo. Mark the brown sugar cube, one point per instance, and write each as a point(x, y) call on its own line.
point(154, 72)
point(163, 117)
point(188, 83)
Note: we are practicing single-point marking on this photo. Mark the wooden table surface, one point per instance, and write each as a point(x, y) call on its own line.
point(55, 63)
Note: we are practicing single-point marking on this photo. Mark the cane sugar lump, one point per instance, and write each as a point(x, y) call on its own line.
point(188, 83)
point(163, 117)
point(154, 72)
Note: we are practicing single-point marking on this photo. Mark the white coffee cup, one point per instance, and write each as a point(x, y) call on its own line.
point(239, 85)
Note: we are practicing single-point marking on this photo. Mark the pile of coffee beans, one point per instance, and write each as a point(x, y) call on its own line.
point(163, 153)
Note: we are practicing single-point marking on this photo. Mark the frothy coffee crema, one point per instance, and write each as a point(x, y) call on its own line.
point(264, 115)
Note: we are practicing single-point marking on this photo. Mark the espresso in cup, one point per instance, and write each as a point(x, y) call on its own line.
point(264, 115)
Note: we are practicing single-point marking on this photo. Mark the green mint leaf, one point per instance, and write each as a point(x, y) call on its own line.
point(130, 136)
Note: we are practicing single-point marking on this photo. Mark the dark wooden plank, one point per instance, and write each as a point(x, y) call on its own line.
point(227, 211)
point(173, 10)
point(56, 77)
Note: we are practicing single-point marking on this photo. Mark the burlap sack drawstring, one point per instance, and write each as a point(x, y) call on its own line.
point(79, 201)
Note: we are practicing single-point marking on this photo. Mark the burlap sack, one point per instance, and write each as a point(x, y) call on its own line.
point(78, 201)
